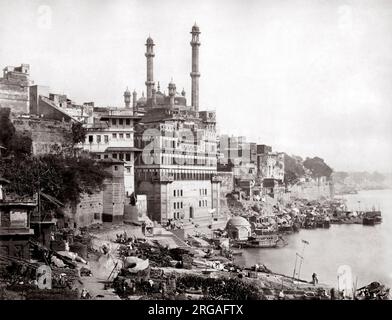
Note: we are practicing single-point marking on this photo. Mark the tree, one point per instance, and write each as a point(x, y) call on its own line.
point(318, 167)
point(60, 174)
point(78, 133)
point(293, 169)
point(7, 130)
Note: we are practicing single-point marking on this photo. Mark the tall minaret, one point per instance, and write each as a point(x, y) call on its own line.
point(127, 98)
point(172, 92)
point(150, 66)
point(134, 99)
point(195, 67)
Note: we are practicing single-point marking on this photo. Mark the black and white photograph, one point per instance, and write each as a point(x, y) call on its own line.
point(215, 151)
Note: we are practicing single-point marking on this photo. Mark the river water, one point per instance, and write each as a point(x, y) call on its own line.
point(366, 249)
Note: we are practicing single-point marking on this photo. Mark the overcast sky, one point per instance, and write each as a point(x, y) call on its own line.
point(309, 77)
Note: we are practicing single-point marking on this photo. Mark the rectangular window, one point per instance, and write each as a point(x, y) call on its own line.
point(128, 169)
point(181, 205)
point(90, 139)
point(121, 135)
point(127, 157)
point(128, 136)
point(121, 156)
point(175, 206)
point(106, 138)
point(120, 122)
point(199, 203)
point(181, 193)
point(106, 156)
point(114, 155)
point(115, 168)
point(114, 122)
point(128, 122)
point(114, 135)
point(174, 192)
point(98, 138)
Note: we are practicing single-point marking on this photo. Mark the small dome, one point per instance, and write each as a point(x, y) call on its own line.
point(238, 222)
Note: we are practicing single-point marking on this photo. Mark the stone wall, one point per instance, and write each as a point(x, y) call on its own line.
point(114, 195)
point(44, 133)
point(88, 211)
point(14, 94)
point(103, 206)
point(312, 190)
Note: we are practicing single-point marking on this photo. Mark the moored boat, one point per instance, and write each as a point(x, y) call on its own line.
point(264, 241)
point(371, 218)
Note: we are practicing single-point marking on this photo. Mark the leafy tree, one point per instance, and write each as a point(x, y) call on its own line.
point(7, 130)
point(318, 167)
point(78, 133)
point(60, 174)
point(293, 169)
point(14, 141)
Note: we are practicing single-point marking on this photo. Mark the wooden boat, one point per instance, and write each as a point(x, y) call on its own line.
point(371, 218)
point(265, 241)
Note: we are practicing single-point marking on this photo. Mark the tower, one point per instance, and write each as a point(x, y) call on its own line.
point(195, 75)
point(154, 97)
point(172, 92)
point(127, 98)
point(134, 99)
point(150, 66)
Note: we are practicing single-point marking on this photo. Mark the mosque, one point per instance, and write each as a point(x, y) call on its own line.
point(177, 169)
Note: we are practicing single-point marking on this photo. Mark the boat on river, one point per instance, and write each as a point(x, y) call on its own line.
point(371, 218)
point(263, 241)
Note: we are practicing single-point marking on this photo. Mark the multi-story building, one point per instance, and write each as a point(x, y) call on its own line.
point(238, 156)
point(111, 136)
point(270, 170)
point(14, 88)
point(270, 165)
point(177, 168)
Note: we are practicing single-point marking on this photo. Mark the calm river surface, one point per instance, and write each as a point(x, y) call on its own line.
point(367, 249)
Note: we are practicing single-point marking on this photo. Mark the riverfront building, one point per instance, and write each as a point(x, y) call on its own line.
point(177, 169)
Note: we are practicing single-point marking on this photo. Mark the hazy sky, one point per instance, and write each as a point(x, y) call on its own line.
point(309, 77)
